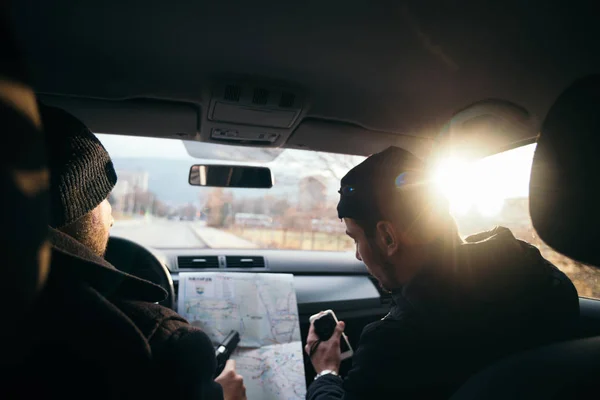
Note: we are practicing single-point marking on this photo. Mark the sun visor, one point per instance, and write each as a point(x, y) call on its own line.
point(345, 138)
point(565, 178)
point(131, 117)
point(484, 128)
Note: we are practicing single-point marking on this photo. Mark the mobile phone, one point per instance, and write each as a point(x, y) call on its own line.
point(324, 325)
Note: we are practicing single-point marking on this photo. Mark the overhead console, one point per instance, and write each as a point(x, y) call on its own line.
point(254, 113)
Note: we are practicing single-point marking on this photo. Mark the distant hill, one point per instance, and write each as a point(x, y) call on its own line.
point(168, 179)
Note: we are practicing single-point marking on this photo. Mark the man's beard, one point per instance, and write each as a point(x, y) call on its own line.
point(97, 242)
point(89, 232)
point(386, 269)
point(388, 273)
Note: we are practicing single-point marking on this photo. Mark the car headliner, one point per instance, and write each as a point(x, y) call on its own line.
point(389, 70)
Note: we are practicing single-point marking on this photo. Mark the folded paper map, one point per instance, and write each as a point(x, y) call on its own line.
point(263, 309)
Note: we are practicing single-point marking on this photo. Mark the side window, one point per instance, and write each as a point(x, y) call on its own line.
point(495, 191)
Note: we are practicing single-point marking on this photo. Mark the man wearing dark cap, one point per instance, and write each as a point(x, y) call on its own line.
point(161, 342)
point(457, 305)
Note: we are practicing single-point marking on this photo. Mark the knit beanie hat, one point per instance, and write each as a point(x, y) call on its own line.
point(381, 179)
point(81, 171)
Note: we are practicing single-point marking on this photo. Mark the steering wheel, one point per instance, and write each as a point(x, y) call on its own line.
point(130, 257)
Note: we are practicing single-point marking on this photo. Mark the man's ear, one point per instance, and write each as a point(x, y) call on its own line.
point(388, 237)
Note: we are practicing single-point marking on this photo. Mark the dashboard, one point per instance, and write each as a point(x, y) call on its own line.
point(322, 279)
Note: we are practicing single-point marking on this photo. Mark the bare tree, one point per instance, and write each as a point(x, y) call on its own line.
point(331, 164)
point(337, 164)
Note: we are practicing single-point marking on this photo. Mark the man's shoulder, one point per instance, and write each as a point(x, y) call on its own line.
point(500, 258)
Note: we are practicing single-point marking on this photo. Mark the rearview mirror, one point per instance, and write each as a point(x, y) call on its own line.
point(234, 176)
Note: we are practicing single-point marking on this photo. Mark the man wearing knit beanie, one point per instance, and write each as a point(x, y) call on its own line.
point(81, 177)
point(456, 307)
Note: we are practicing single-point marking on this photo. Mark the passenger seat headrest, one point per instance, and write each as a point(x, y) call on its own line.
point(564, 190)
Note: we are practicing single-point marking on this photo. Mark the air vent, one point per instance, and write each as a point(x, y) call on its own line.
point(245, 262)
point(232, 93)
point(197, 262)
point(260, 96)
point(384, 295)
point(287, 100)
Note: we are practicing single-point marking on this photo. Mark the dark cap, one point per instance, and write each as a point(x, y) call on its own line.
point(81, 171)
point(372, 185)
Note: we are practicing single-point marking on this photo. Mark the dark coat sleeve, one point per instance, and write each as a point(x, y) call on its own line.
point(325, 388)
point(187, 359)
point(183, 354)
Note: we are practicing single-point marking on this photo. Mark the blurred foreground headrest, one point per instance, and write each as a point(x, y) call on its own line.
point(564, 192)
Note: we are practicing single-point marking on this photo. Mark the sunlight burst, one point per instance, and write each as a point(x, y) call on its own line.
point(484, 185)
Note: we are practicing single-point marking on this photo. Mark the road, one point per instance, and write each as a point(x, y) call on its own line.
point(159, 233)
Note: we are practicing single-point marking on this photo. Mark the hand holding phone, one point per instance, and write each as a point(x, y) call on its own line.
point(324, 324)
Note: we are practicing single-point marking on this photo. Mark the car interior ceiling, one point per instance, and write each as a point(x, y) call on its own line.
point(426, 71)
point(401, 86)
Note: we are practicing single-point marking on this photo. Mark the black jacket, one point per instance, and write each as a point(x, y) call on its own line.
point(97, 333)
point(496, 295)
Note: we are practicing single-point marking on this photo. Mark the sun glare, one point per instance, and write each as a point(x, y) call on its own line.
point(484, 185)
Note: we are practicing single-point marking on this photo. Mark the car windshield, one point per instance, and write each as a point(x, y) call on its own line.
point(153, 203)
